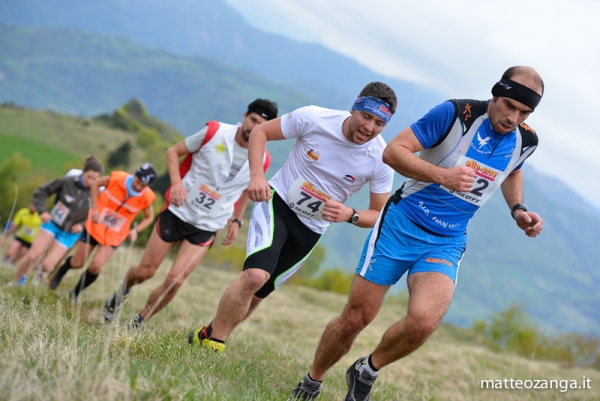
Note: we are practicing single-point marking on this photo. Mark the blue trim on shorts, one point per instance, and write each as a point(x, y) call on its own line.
point(64, 238)
point(404, 247)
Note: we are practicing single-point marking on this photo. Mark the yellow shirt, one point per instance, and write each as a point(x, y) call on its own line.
point(28, 223)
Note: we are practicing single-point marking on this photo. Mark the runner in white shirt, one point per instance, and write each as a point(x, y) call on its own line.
point(335, 154)
point(207, 186)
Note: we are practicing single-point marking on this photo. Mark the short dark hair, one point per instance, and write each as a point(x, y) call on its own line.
point(264, 108)
point(92, 163)
point(381, 91)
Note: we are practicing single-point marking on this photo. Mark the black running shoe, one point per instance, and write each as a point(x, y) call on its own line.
point(60, 274)
point(307, 389)
point(136, 323)
point(359, 383)
point(113, 305)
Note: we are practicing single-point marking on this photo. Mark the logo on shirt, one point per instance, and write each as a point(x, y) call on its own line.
point(69, 198)
point(467, 112)
point(482, 141)
point(437, 261)
point(527, 128)
point(349, 178)
point(313, 154)
point(233, 172)
point(221, 148)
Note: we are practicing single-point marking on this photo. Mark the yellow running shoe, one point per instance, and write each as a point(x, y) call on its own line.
point(200, 337)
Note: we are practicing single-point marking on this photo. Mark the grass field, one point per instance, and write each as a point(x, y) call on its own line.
point(54, 161)
point(52, 350)
point(52, 141)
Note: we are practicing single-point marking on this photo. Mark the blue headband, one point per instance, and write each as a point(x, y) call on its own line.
point(374, 106)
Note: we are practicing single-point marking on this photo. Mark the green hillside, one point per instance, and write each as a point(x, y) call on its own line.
point(552, 275)
point(56, 142)
point(52, 350)
point(74, 72)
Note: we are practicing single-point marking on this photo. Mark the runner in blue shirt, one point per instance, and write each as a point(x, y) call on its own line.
point(468, 149)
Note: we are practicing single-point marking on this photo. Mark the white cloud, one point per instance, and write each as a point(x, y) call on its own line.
point(461, 48)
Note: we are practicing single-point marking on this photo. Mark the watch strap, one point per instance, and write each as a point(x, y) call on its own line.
point(518, 206)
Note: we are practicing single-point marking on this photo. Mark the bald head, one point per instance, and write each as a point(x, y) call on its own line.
point(526, 76)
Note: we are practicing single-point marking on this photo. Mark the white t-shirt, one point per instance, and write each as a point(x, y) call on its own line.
point(210, 182)
point(324, 164)
point(240, 155)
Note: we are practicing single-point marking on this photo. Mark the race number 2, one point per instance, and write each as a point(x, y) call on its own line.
point(305, 199)
point(487, 180)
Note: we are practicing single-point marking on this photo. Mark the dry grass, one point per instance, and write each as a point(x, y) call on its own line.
point(52, 350)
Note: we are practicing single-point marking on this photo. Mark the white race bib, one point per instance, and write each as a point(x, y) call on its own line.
point(487, 181)
point(112, 220)
point(205, 200)
point(28, 231)
point(305, 199)
point(59, 213)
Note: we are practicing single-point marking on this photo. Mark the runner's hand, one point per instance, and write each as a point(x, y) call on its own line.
point(336, 212)
point(459, 178)
point(232, 233)
point(77, 228)
point(133, 235)
point(45, 216)
point(259, 189)
point(178, 194)
point(95, 215)
point(529, 222)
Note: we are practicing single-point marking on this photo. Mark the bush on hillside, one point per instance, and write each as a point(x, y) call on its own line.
point(337, 280)
point(120, 157)
point(512, 330)
point(16, 185)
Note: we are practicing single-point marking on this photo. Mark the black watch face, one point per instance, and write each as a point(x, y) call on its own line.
point(354, 218)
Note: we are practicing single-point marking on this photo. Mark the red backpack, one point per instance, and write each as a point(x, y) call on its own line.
point(186, 164)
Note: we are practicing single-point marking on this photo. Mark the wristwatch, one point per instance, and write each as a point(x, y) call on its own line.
point(517, 207)
point(354, 218)
point(240, 222)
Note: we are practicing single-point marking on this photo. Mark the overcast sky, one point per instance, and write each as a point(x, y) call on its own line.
point(461, 48)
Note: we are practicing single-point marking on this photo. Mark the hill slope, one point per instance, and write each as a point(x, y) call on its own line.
point(56, 351)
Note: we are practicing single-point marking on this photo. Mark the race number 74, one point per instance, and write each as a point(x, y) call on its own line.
point(314, 206)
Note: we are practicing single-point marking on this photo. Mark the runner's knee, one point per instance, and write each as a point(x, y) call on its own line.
point(354, 319)
point(173, 283)
point(95, 268)
point(76, 262)
point(254, 279)
point(420, 328)
point(141, 272)
point(47, 266)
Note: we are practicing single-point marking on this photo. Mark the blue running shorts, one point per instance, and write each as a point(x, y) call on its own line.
point(64, 238)
point(397, 245)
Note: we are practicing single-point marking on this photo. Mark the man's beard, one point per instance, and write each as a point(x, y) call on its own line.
point(246, 135)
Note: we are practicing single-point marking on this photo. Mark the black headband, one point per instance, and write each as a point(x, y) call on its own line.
point(264, 113)
point(516, 91)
